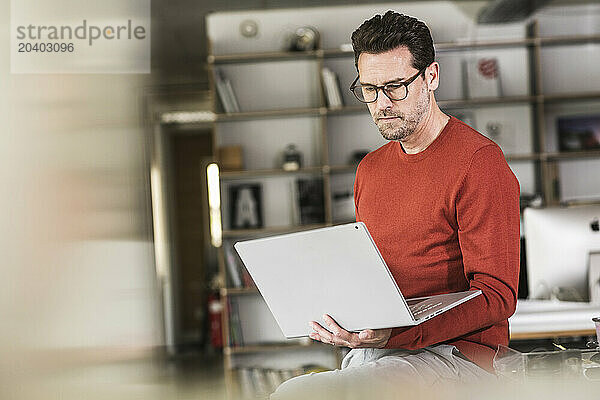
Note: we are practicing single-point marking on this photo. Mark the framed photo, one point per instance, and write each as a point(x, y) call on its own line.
point(245, 206)
point(310, 201)
point(577, 133)
point(482, 77)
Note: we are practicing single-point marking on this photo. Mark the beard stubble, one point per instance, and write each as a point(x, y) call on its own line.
point(405, 124)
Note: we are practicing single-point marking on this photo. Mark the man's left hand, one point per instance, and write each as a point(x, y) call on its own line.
point(338, 336)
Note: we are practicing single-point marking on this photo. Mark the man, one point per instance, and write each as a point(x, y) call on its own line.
point(442, 206)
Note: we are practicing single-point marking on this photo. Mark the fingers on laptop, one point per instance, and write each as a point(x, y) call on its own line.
point(320, 333)
point(334, 335)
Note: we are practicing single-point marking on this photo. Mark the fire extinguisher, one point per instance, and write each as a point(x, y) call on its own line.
point(214, 316)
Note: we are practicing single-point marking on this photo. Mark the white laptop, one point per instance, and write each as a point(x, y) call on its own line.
point(337, 271)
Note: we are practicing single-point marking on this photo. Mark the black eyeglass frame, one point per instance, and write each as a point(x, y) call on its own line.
point(383, 87)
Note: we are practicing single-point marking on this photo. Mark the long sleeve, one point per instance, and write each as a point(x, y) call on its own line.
point(487, 214)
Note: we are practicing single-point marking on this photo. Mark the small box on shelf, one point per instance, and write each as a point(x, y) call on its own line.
point(231, 158)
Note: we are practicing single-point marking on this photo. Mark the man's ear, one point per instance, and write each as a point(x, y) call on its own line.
point(432, 76)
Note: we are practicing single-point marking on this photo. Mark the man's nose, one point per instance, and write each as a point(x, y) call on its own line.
point(383, 101)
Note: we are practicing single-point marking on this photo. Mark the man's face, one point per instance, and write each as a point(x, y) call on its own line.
point(396, 120)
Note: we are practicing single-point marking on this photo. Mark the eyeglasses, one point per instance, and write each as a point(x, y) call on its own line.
point(395, 91)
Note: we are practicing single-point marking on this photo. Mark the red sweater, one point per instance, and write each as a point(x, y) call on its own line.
point(446, 220)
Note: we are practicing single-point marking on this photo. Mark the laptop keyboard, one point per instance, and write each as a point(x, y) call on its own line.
point(424, 306)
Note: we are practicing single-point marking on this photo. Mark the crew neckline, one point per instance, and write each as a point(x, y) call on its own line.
point(430, 149)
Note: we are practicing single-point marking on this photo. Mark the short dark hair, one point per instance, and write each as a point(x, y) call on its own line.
point(386, 32)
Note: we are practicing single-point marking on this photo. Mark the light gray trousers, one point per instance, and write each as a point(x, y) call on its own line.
point(386, 373)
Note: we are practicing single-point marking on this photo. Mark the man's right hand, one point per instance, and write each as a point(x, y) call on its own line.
point(338, 336)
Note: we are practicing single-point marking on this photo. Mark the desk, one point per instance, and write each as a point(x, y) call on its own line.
point(543, 319)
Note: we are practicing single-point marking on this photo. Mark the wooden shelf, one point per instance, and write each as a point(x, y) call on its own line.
point(581, 202)
point(238, 291)
point(333, 53)
point(551, 98)
point(468, 45)
point(337, 52)
point(360, 108)
point(343, 168)
point(262, 56)
point(463, 103)
point(439, 47)
point(289, 112)
point(509, 157)
point(550, 335)
point(273, 230)
point(353, 109)
point(265, 172)
point(564, 40)
point(272, 347)
point(447, 46)
point(571, 155)
point(523, 157)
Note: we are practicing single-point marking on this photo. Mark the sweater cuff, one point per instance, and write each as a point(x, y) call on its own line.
point(404, 338)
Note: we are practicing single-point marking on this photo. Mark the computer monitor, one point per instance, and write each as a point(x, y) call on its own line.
point(558, 242)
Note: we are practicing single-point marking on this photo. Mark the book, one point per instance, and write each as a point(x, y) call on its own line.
point(233, 267)
point(482, 77)
point(259, 382)
point(274, 379)
point(594, 276)
point(235, 327)
point(333, 95)
point(238, 276)
point(246, 278)
point(246, 383)
point(310, 201)
point(261, 385)
point(342, 208)
point(226, 93)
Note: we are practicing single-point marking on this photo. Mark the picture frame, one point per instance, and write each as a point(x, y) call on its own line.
point(245, 206)
point(310, 201)
point(482, 77)
point(579, 132)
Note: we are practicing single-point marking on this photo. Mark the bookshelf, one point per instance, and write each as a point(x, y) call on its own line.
point(327, 154)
